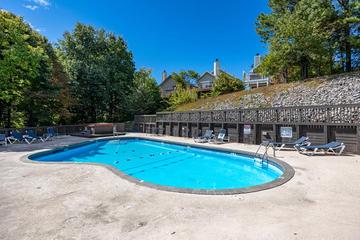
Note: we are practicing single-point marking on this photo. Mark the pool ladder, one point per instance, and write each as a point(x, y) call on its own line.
point(264, 156)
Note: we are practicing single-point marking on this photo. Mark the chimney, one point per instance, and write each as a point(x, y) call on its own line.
point(164, 75)
point(257, 60)
point(216, 67)
point(244, 76)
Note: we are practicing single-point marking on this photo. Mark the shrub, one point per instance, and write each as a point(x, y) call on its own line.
point(226, 83)
point(182, 96)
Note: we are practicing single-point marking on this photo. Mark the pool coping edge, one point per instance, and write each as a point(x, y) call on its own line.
point(288, 171)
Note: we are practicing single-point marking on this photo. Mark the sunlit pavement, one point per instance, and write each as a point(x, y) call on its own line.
point(79, 201)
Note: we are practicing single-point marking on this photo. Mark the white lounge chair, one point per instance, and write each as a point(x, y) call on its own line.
point(333, 147)
point(15, 136)
point(205, 138)
point(220, 138)
point(49, 135)
point(3, 139)
point(303, 141)
point(31, 137)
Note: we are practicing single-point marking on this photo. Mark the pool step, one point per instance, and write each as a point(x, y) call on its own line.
point(261, 162)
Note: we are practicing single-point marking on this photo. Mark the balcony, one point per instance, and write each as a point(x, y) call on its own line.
point(257, 82)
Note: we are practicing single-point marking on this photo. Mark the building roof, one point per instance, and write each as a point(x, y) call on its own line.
point(206, 73)
point(228, 74)
point(166, 79)
point(212, 74)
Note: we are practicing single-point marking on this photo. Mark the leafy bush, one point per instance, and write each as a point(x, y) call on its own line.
point(182, 96)
point(226, 83)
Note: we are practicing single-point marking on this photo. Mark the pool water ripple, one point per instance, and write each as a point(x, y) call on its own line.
point(171, 165)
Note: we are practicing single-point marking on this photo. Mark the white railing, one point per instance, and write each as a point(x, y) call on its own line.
point(257, 82)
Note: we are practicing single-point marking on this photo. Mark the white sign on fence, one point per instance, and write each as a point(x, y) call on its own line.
point(286, 132)
point(247, 129)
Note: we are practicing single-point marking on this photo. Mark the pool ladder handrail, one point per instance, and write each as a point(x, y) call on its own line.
point(264, 156)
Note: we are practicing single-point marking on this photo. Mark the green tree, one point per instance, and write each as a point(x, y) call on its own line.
point(145, 97)
point(302, 38)
point(44, 102)
point(186, 79)
point(26, 90)
point(63, 100)
point(226, 83)
point(347, 32)
point(101, 73)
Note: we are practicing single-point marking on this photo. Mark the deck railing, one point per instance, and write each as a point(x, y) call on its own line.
point(348, 114)
point(66, 129)
point(145, 118)
point(60, 129)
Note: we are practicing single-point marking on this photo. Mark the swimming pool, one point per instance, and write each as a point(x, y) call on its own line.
point(174, 167)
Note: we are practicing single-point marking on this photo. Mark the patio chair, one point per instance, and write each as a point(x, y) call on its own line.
point(204, 138)
point(49, 135)
point(303, 141)
point(267, 137)
point(3, 139)
point(220, 138)
point(15, 136)
point(333, 147)
point(31, 137)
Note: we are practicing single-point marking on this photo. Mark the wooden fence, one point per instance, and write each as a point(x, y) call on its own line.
point(65, 129)
point(60, 129)
point(320, 123)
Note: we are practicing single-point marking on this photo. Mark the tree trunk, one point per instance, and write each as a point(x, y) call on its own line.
point(347, 55)
point(304, 69)
point(2, 108)
point(345, 5)
point(93, 114)
point(111, 107)
point(30, 115)
point(285, 75)
point(331, 61)
point(8, 117)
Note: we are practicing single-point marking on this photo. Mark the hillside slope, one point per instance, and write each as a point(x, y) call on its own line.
point(329, 90)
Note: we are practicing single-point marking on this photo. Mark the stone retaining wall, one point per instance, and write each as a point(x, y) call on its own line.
point(331, 90)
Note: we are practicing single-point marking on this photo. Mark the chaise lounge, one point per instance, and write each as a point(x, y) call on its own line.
point(205, 138)
point(50, 134)
point(303, 141)
point(31, 137)
point(3, 139)
point(220, 138)
point(15, 136)
point(333, 147)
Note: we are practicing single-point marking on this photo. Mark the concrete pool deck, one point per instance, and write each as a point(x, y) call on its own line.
point(79, 201)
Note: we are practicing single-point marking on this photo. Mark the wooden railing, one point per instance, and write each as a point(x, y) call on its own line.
point(337, 114)
point(145, 118)
point(60, 129)
point(65, 129)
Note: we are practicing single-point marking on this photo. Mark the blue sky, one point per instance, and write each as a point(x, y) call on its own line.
point(169, 35)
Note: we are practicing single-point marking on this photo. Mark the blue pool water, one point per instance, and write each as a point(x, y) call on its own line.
point(171, 165)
